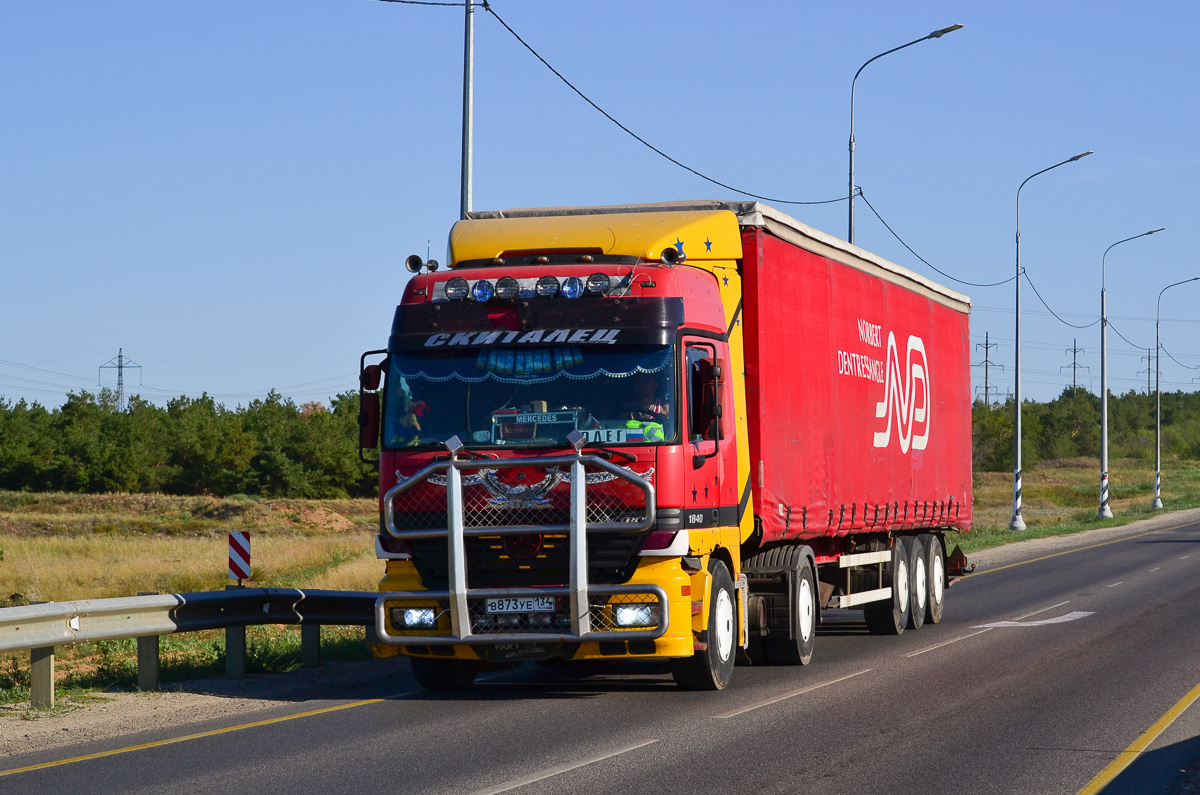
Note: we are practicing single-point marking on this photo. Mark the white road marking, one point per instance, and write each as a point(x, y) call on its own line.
point(947, 643)
point(1184, 557)
point(555, 771)
point(1115, 584)
point(1043, 610)
point(1075, 616)
point(792, 694)
point(1156, 568)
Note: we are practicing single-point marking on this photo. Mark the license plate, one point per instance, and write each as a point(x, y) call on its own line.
point(521, 604)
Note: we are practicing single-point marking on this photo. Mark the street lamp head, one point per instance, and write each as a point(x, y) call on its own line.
point(1160, 229)
point(937, 34)
point(1077, 157)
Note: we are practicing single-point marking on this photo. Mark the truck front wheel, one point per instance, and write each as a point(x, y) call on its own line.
point(712, 667)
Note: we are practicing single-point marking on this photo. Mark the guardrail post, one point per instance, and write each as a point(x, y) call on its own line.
point(310, 644)
point(41, 677)
point(235, 652)
point(149, 669)
point(148, 666)
point(235, 647)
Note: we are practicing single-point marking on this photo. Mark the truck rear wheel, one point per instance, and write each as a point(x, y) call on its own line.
point(798, 650)
point(712, 667)
point(441, 674)
point(918, 590)
point(935, 567)
point(884, 618)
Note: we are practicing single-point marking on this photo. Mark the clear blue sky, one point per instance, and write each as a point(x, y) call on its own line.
point(227, 191)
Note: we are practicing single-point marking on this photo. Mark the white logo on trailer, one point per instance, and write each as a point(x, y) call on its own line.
point(900, 395)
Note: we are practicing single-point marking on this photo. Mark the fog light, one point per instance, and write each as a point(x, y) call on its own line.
point(635, 615)
point(414, 617)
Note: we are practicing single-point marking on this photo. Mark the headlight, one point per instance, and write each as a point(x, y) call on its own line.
point(635, 615)
point(414, 617)
point(456, 288)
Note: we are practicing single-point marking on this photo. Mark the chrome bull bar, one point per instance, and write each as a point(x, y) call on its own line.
point(578, 590)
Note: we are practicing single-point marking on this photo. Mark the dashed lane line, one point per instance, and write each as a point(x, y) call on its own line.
point(559, 770)
point(948, 642)
point(792, 694)
point(1077, 549)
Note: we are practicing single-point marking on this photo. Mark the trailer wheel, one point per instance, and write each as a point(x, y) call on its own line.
point(439, 673)
point(711, 668)
point(798, 650)
point(918, 590)
point(935, 568)
point(884, 618)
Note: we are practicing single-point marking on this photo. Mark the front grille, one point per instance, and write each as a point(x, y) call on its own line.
point(521, 496)
point(491, 562)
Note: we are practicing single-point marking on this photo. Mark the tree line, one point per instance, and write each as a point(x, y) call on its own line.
point(276, 448)
point(1069, 427)
point(271, 447)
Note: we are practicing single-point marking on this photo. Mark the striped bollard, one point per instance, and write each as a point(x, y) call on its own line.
point(239, 556)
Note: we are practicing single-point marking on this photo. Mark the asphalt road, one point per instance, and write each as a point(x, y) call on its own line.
point(1040, 675)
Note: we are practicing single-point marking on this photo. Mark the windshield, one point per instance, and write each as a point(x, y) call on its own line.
point(523, 397)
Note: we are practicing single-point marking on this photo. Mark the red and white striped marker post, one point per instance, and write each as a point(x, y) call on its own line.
point(239, 556)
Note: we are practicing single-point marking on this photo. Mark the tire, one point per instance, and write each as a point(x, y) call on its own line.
point(445, 675)
point(891, 619)
point(918, 579)
point(798, 650)
point(712, 668)
point(935, 567)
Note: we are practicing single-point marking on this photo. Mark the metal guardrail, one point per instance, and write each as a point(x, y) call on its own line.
point(39, 628)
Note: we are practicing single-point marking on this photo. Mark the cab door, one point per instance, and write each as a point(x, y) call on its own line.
point(705, 370)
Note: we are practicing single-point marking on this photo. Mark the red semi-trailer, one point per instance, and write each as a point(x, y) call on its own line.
point(676, 430)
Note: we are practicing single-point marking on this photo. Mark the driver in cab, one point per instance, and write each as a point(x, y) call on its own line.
point(649, 401)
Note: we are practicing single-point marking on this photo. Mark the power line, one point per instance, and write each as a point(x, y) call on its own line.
point(635, 136)
point(918, 256)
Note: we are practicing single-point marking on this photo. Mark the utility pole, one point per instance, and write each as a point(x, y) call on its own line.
point(468, 102)
point(1075, 366)
point(119, 364)
point(1149, 369)
point(986, 364)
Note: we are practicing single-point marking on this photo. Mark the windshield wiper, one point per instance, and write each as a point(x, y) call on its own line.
point(611, 453)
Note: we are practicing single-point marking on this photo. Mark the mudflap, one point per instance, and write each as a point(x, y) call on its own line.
point(957, 565)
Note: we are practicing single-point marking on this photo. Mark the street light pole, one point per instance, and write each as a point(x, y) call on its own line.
point(1105, 511)
point(468, 102)
point(1158, 395)
point(1017, 522)
point(937, 34)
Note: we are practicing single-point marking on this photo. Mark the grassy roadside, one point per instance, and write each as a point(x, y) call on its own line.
point(56, 547)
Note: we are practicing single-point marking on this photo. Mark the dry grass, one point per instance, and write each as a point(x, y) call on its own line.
point(60, 547)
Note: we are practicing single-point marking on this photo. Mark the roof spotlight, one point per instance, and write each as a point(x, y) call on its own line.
point(507, 288)
point(546, 287)
point(456, 288)
point(597, 284)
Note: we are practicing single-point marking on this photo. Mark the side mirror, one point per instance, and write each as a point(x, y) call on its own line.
point(371, 376)
point(368, 421)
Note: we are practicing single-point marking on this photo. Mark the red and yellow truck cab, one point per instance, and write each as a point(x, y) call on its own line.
point(661, 431)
